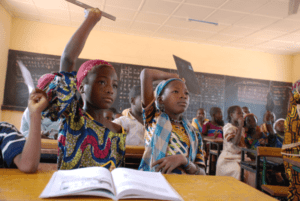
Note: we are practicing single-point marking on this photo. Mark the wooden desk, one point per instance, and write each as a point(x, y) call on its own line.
point(16, 185)
point(212, 139)
point(51, 147)
point(293, 161)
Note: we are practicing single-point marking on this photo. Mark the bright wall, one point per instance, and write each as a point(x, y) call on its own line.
point(296, 68)
point(5, 30)
point(50, 39)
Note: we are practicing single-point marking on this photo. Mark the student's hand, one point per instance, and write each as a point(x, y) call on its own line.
point(37, 101)
point(93, 13)
point(268, 117)
point(241, 122)
point(168, 164)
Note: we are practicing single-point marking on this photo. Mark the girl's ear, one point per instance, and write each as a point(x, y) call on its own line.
point(81, 89)
point(160, 101)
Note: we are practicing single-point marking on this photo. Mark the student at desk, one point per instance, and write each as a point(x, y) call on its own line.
point(228, 161)
point(15, 150)
point(86, 138)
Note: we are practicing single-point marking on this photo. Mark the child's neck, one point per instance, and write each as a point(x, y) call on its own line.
point(137, 115)
point(235, 123)
point(173, 116)
point(280, 133)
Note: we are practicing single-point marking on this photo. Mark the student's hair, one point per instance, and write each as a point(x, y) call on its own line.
point(202, 109)
point(231, 110)
point(134, 92)
point(245, 107)
point(213, 111)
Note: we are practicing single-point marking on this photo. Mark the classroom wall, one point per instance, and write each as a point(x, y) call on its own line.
point(296, 68)
point(51, 39)
point(5, 30)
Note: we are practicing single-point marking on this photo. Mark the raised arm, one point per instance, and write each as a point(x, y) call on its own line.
point(77, 41)
point(237, 138)
point(29, 159)
point(147, 77)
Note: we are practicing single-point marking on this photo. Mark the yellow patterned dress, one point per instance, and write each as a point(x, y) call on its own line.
point(82, 141)
point(291, 146)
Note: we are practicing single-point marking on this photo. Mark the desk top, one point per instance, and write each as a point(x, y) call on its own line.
point(15, 185)
point(212, 139)
point(293, 161)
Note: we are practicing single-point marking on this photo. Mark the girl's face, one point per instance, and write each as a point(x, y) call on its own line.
point(175, 98)
point(238, 113)
point(280, 126)
point(251, 122)
point(100, 89)
point(201, 114)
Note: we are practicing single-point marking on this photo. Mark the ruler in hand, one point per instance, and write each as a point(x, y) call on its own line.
point(83, 5)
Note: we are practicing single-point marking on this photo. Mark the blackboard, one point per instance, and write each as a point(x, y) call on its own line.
point(215, 90)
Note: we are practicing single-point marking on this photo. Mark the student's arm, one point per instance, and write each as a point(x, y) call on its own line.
point(237, 138)
point(77, 41)
point(29, 159)
point(147, 77)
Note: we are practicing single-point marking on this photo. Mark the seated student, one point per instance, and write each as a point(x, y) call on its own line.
point(278, 138)
point(108, 114)
point(228, 161)
point(200, 119)
point(254, 137)
point(86, 137)
point(263, 127)
point(174, 145)
point(246, 110)
point(132, 122)
point(214, 128)
point(16, 151)
point(49, 129)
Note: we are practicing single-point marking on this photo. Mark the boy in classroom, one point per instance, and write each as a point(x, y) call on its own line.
point(49, 129)
point(214, 128)
point(254, 137)
point(16, 151)
point(263, 127)
point(132, 121)
point(86, 138)
point(229, 159)
point(246, 110)
point(108, 114)
point(174, 145)
point(200, 119)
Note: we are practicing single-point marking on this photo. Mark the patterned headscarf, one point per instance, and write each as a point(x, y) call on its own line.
point(160, 87)
point(158, 145)
point(86, 67)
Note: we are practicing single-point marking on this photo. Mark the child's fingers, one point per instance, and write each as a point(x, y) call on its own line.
point(157, 162)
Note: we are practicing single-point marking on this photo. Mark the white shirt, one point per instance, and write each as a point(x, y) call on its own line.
point(135, 130)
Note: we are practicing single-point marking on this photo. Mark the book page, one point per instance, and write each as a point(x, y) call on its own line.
point(131, 183)
point(71, 182)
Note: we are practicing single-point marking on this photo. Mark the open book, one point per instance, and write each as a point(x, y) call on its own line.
point(121, 183)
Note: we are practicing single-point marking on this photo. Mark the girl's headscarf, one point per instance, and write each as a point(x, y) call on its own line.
point(157, 147)
point(86, 67)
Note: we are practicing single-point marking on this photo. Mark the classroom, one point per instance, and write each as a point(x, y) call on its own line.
point(253, 40)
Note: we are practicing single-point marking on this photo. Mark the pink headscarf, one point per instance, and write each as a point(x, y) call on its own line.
point(86, 67)
point(44, 80)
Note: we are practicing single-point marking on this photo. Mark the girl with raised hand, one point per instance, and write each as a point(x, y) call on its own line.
point(174, 145)
point(228, 161)
point(86, 138)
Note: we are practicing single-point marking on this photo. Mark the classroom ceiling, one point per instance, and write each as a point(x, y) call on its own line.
point(259, 25)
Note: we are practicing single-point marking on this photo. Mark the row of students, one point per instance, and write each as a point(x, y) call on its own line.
point(87, 138)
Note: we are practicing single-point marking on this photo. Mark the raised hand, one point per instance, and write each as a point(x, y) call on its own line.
point(241, 122)
point(93, 13)
point(37, 101)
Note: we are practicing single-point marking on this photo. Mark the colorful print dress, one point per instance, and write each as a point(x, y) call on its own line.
point(291, 146)
point(179, 142)
point(82, 141)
